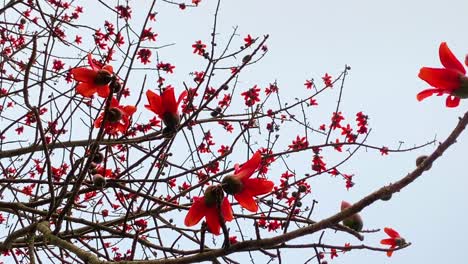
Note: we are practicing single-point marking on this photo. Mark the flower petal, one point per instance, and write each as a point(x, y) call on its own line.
point(247, 201)
point(155, 104)
point(390, 252)
point(108, 68)
point(83, 74)
point(452, 101)
point(426, 93)
point(129, 110)
point(212, 220)
point(227, 210)
point(250, 166)
point(449, 60)
point(103, 91)
point(85, 89)
point(114, 102)
point(91, 62)
point(441, 78)
point(168, 100)
point(98, 121)
point(391, 232)
point(196, 212)
point(388, 241)
point(181, 97)
point(258, 186)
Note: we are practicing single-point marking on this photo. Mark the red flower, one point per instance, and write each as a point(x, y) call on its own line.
point(384, 151)
point(449, 80)
point(167, 67)
point(58, 65)
point(94, 80)
point(199, 47)
point(327, 79)
point(117, 118)
point(124, 12)
point(394, 241)
point(243, 188)
point(251, 96)
point(166, 106)
point(206, 207)
point(248, 40)
point(299, 143)
point(144, 55)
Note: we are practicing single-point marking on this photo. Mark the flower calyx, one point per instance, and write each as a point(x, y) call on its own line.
point(103, 77)
point(114, 115)
point(232, 185)
point(213, 195)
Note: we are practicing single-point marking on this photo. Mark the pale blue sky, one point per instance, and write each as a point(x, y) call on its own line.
point(385, 43)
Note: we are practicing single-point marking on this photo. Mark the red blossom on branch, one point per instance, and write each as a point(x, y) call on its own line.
point(327, 80)
point(251, 96)
point(299, 143)
point(199, 47)
point(165, 106)
point(167, 67)
point(206, 206)
point(449, 80)
point(248, 40)
point(243, 187)
point(117, 118)
point(94, 80)
point(394, 241)
point(144, 55)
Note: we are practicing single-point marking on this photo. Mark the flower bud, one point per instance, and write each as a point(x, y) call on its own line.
point(231, 184)
point(99, 181)
point(302, 188)
point(103, 77)
point(420, 160)
point(386, 197)
point(355, 221)
point(246, 59)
